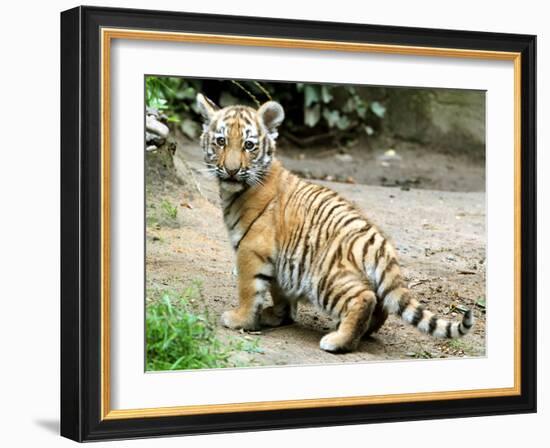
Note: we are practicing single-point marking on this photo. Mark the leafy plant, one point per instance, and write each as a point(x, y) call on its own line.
point(175, 97)
point(169, 209)
point(338, 108)
point(154, 93)
point(340, 113)
point(179, 338)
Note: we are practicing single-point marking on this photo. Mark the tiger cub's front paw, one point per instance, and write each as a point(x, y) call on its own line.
point(234, 320)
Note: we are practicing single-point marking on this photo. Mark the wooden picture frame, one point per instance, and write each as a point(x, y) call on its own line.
point(86, 34)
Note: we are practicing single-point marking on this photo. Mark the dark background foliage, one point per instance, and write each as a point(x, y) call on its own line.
point(314, 112)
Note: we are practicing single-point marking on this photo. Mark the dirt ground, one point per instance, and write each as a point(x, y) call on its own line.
point(439, 235)
point(389, 162)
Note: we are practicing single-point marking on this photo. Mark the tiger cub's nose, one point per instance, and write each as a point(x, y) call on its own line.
point(232, 172)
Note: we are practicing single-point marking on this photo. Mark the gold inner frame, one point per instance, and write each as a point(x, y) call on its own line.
point(107, 35)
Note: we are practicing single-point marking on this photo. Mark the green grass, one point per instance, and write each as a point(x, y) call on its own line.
point(170, 210)
point(180, 338)
point(457, 344)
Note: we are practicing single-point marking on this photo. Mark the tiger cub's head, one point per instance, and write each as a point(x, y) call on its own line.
point(239, 141)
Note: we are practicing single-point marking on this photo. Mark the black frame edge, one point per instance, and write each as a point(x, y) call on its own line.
point(529, 222)
point(80, 210)
point(71, 384)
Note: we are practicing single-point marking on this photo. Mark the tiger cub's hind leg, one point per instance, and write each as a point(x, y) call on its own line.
point(378, 319)
point(355, 314)
point(283, 311)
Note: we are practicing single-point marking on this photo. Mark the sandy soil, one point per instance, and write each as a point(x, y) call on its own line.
point(440, 236)
point(389, 162)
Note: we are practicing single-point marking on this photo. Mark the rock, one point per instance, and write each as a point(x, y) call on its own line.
point(157, 114)
point(346, 158)
point(350, 180)
point(389, 156)
point(450, 118)
point(154, 139)
point(156, 127)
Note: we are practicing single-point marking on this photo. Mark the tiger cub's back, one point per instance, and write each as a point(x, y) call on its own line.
point(321, 237)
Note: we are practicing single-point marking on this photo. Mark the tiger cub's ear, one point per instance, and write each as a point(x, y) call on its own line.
point(207, 107)
point(272, 115)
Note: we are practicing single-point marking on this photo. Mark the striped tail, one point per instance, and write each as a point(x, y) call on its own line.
point(413, 312)
point(397, 299)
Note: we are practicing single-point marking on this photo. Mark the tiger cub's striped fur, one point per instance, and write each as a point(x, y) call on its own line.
point(302, 241)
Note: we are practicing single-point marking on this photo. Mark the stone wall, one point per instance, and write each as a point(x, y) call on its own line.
point(446, 119)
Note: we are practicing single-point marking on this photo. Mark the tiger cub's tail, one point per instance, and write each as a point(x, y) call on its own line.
point(380, 262)
point(397, 299)
point(414, 313)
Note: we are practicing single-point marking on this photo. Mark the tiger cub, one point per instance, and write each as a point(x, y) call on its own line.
point(301, 241)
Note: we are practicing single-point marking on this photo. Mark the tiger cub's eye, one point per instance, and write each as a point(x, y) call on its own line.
point(220, 141)
point(249, 145)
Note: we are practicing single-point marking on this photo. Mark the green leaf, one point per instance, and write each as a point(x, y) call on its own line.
point(312, 115)
point(158, 103)
point(349, 106)
point(343, 123)
point(311, 95)
point(377, 109)
point(325, 94)
point(332, 117)
point(361, 107)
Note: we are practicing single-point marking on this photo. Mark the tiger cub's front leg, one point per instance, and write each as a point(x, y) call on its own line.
point(255, 273)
